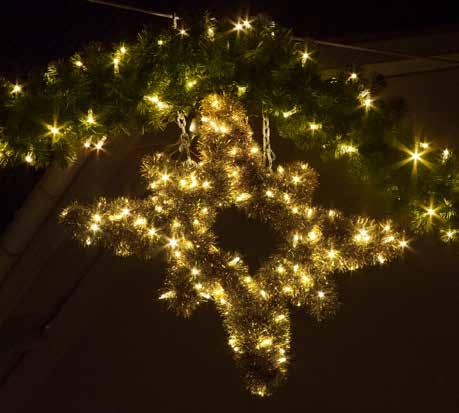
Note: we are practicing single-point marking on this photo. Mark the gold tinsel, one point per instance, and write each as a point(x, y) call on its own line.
point(179, 215)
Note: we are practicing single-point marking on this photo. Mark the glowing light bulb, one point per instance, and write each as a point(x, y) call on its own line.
point(241, 90)
point(279, 318)
point(167, 295)
point(269, 193)
point(368, 103)
point(450, 234)
point(424, 145)
point(321, 294)
point(123, 50)
point(430, 212)
point(79, 64)
point(182, 32)
point(90, 120)
point(100, 144)
point(140, 222)
point(415, 156)
point(265, 342)
point(353, 76)
point(332, 254)
point(16, 89)
point(160, 42)
point(234, 261)
point(296, 179)
point(243, 197)
point(94, 227)
point(116, 61)
point(403, 244)
point(445, 155)
point(238, 26)
point(29, 158)
point(313, 235)
point(195, 272)
point(314, 126)
point(305, 57)
point(246, 23)
point(165, 177)
point(173, 243)
point(191, 83)
point(54, 130)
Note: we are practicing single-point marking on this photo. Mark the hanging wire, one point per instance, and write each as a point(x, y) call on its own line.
point(268, 154)
point(185, 139)
point(175, 18)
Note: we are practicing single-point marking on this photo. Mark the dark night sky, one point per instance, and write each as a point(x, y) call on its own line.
point(392, 347)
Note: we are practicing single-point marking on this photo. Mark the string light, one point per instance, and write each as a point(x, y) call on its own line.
point(184, 203)
point(90, 119)
point(353, 76)
point(415, 156)
point(314, 126)
point(29, 158)
point(16, 89)
point(305, 56)
point(238, 26)
point(445, 155)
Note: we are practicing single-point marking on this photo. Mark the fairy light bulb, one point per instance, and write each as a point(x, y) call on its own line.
point(415, 156)
point(173, 243)
point(90, 119)
point(403, 243)
point(29, 158)
point(368, 103)
point(238, 26)
point(313, 126)
point(123, 50)
point(79, 64)
point(353, 76)
point(100, 144)
point(445, 155)
point(16, 89)
point(305, 56)
point(246, 24)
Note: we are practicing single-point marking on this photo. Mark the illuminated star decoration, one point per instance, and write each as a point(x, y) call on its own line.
point(178, 217)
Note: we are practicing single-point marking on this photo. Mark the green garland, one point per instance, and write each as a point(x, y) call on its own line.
point(142, 86)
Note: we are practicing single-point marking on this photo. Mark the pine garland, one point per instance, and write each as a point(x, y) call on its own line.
point(142, 86)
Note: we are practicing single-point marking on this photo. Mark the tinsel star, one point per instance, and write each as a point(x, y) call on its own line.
point(179, 215)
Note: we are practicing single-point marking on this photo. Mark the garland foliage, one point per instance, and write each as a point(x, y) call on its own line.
point(142, 87)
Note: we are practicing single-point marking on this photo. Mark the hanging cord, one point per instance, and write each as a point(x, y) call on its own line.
point(185, 138)
point(268, 154)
